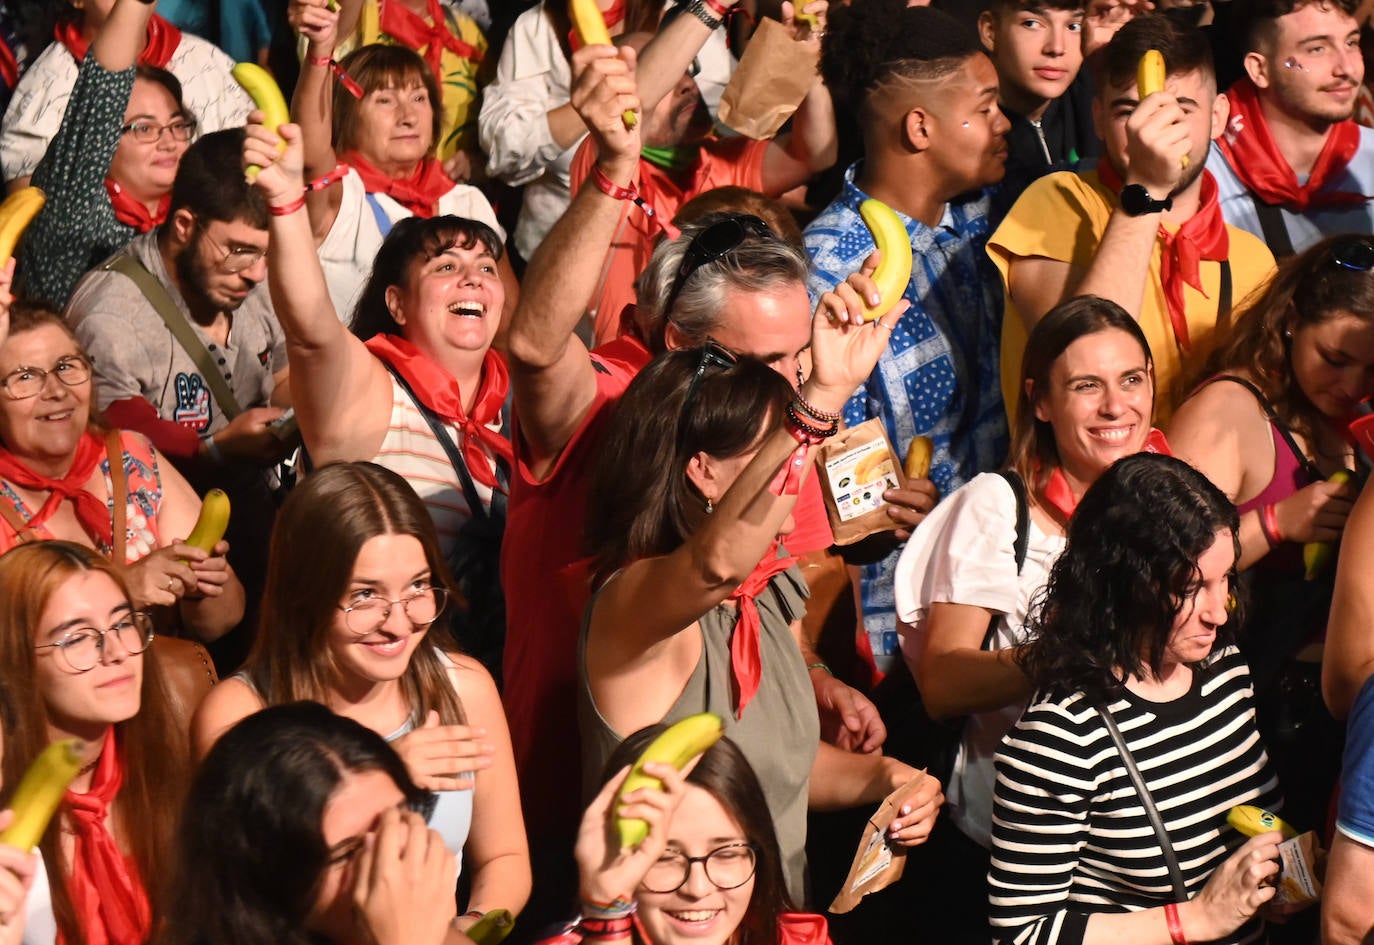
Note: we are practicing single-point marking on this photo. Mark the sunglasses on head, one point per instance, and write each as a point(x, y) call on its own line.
point(717, 240)
point(1356, 254)
point(713, 355)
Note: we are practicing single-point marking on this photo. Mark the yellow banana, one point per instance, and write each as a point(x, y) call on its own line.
point(1316, 555)
point(810, 19)
point(1149, 79)
point(492, 928)
point(591, 31)
point(16, 213)
point(266, 95)
point(1253, 821)
point(37, 797)
point(894, 270)
point(213, 520)
point(678, 745)
point(917, 462)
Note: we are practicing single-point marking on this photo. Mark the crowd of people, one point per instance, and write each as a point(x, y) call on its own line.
point(519, 360)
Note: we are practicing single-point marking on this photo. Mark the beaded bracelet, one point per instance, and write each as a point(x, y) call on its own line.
point(813, 411)
point(795, 420)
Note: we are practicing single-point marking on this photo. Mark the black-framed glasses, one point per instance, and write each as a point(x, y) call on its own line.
point(421, 608)
point(84, 647)
point(727, 867)
point(717, 240)
point(714, 355)
point(25, 382)
point(147, 132)
point(1356, 254)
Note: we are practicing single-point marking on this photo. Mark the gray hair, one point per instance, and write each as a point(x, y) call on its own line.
point(758, 264)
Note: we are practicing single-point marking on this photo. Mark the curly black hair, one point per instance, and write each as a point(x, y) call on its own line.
point(1131, 562)
point(869, 42)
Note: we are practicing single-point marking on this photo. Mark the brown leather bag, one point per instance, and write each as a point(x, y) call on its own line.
point(189, 673)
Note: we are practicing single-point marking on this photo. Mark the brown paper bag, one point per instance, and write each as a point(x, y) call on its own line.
point(770, 82)
point(856, 468)
point(1298, 883)
point(877, 864)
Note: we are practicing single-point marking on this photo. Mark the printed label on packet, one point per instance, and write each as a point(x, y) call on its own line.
point(859, 477)
point(1298, 883)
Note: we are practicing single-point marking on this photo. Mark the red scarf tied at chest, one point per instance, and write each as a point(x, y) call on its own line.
point(1202, 236)
point(91, 511)
point(163, 40)
point(418, 192)
point(1256, 159)
point(133, 212)
point(438, 391)
point(1059, 496)
point(107, 893)
point(746, 663)
point(430, 39)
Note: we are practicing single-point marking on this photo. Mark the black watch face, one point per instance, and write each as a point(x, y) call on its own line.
point(1136, 201)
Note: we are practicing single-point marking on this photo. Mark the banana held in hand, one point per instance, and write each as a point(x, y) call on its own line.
point(492, 928)
point(16, 213)
point(917, 462)
point(1253, 821)
point(213, 520)
point(894, 270)
point(1149, 79)
point(37, 797)
point(591, 31)
point(677, 746)
point(266, 95)
point(1316, 555)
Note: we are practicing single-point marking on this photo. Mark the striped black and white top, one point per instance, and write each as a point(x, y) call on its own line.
point(1069, 834)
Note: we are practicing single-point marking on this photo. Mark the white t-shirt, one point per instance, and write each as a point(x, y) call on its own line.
point(352, 242)
point(964, 553)
point(208, 91)
point(40, 925)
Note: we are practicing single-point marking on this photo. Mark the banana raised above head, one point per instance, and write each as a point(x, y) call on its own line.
point(1317, 555)
point(266, 95)
point(682, 742)
point(894, 268)
point(591, 31)
point(1253, 821)
point(37, 797)
point(213, 520)
point(918, 454)
point(16, 213)
point(1150, 75)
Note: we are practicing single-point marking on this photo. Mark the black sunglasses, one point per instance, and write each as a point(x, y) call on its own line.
point(714, 355)
point(1356, 254)
point(717, 240)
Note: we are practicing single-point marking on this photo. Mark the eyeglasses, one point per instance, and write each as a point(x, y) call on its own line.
point(421, 608)
point(145, 132)
point(717, 240)
point(25, 382)
point(1356, 254)
point(713, 354)
point(235, 260)
point(84, 647)
point(727, 867)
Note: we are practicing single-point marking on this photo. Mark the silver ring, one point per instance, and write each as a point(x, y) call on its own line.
point(886, 328)
point(170, 582)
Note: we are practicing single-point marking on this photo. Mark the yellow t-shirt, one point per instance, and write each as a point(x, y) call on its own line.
point(1062, 216)
point(457, 82)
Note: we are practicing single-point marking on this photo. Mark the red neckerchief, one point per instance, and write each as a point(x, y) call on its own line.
point(746, 664)
point(1202, 236)
point(162, 40)
point(432, 38)
point(91, 511)
point(107, 894)
point(438, 391)
point(1060, 497)
point(1261, 166)
point(802, 928)
point(613, 16)
point(419, 193)
point(133, 212)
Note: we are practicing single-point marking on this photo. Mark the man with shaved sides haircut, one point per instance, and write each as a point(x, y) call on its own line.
point(1293, 166)
point(1144, 228)
point(925, 95)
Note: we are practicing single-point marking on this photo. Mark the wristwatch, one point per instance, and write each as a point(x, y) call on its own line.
point(703, 13)
point(1137, 202)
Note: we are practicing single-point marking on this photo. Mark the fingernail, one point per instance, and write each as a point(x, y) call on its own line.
point(874, 298)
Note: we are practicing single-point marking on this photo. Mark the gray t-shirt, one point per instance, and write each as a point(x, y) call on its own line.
point(136, 355)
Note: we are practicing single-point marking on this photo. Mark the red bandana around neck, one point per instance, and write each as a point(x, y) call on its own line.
point(107, 893)
point(1202, 236)
point(438, 391)
point(91, 511)
point(613, 17)
point(163, 40)
point(1251, 152)
point(746, 664)
point(430, 39)
point(133, 212)
point(1057, 494)
point(419, 193)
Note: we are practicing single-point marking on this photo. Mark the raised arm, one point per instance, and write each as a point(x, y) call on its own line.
point(812, 145)
point(312, 105)
point(669, 55)
point(552, 377)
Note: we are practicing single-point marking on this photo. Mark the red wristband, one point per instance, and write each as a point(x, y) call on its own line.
point(346, 80)
point(333, 177)
point(718, 8)
point(1175, 926)
point(286, 209)
point(1269, 525)
point(613, 190)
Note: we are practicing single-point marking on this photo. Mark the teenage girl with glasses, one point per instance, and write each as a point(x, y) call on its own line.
point(355, 581)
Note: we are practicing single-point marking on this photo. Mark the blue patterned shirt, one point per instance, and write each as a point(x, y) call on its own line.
point(940, 375)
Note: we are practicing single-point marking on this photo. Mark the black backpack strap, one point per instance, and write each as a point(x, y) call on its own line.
point(1273, 230)
point(1022, 543)
point(1224, 300)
